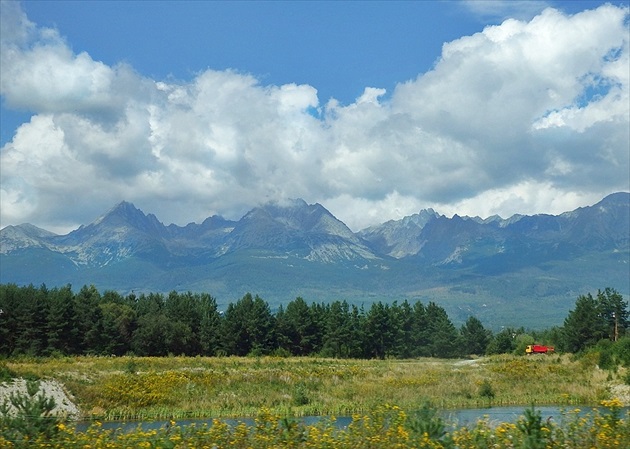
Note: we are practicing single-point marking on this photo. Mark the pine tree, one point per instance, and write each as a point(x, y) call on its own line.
point(262, 327)
point(503, 342)
point(584, 326)
point(209, 331)
point(247, 326)
point(31, 314)
point(379, 330)
point(443, 336)
point(614, 312)
point(119, 322)
point(420, 331)
point(149, 338)
point(61, 326)
point(9, 307)
point(474, 337)
point(297, 331)
point(403, 328)
point(89, 320)
point(356, 333)
point(186, 309)
point(337, 330)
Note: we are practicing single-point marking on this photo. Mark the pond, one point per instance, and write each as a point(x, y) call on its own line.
point(467, 417)
point(459, 418)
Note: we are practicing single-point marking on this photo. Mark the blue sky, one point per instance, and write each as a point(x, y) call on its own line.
point(337, 47)
point(374, 109)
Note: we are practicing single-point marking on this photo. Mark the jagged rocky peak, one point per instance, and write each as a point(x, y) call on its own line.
point(399, 238)
point(32, 230)
point(124, 210)
point(415, 222)
point(216, 221)
point(126, 214)
point(297, 214)
point(22, 236)
point(421, 218)
point(292, 211)
point(280, 239)
point(288, 203)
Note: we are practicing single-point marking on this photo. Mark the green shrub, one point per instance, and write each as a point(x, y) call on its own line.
point(30, 418)
point(6, 373)
point(521, 342)
point(486, 390)
point(622, 350)
point(131, 366)
point(427, 422)
point(300, 394)
point(534, 432)
point(281, 352)
point(606, 359)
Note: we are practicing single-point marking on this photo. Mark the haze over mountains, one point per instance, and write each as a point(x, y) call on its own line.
point(524, 270)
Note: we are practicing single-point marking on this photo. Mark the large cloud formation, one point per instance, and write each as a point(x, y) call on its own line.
point(526, 116)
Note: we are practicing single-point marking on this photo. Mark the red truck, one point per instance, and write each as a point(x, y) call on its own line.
point(538, 349)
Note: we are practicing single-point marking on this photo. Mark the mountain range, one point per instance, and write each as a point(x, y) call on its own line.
point(524, 270)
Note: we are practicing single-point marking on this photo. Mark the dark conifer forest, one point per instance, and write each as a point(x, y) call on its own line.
point(38, 321)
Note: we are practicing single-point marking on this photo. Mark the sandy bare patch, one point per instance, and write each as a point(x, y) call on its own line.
point(621, 392)
point(49, 388)
point(467, 362)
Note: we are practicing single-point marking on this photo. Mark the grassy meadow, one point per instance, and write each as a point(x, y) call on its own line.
point(126, 388)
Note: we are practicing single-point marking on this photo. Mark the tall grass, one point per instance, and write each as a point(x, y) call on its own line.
point(178, 387)
point(385, 427)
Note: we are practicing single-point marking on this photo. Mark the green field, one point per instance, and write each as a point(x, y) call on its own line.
point(182, 387)
point(393, 403)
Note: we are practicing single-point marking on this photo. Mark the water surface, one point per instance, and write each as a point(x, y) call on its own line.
point(456, 418)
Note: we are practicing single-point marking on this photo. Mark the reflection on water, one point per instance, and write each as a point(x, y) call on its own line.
point(497, 415)
point(458, 418)
point(340, 422)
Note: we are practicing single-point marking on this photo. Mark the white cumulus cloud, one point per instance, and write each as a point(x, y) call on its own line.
point(527, 116)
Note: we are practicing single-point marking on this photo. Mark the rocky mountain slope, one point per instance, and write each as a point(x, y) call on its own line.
point(293, 249)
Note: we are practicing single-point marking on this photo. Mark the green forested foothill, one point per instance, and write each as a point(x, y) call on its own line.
point(38, 321)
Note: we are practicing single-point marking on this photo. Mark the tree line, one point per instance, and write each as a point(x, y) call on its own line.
point(39, 321)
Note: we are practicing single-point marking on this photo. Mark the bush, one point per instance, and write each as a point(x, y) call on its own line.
point(605, 354)
point(606, 359)
point(6, 373)
point(300, 394)
point(534, 432)
point(25, 417)
point(622, 350)
point(486, 390)
point(131, 366)
point(281, 352)
point(427, 423)
point(521, 342)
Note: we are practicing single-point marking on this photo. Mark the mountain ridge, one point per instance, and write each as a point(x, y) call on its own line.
point(294, 225)
point(291, 248)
